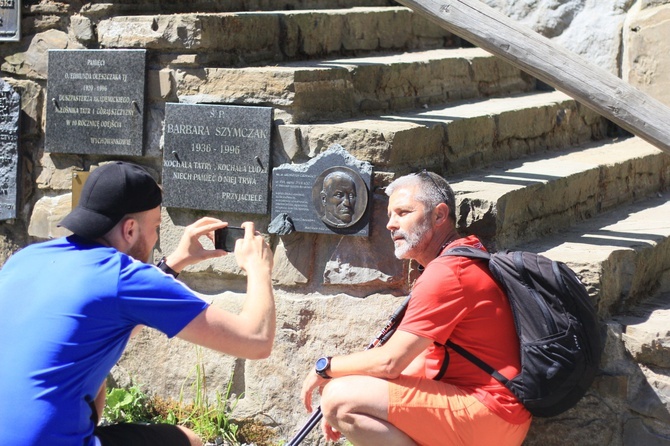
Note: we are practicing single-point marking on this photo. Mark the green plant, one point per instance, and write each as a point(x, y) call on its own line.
point(211, 421)
point(126, 405)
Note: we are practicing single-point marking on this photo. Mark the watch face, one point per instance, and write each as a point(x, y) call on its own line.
point(322, 364)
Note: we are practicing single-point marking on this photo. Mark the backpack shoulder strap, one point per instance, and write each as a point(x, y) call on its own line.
point(478, 362)
point(468, 251)
point(473, 253)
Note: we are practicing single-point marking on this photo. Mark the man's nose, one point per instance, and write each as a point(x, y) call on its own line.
point(392, 223)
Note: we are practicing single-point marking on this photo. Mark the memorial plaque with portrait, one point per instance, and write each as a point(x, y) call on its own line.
point(10, 107)
point(217, 157)
point(95, 102)
point(10, 20)
point(329, 194)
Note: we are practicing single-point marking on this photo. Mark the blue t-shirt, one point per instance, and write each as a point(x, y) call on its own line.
point(67, 308)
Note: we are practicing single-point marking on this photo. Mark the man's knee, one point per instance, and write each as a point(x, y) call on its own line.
point(335, 398)
point(192, 437)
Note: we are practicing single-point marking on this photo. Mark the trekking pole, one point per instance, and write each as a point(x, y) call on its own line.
point(378, 341)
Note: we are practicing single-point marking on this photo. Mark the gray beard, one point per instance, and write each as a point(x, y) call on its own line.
point(411, 239)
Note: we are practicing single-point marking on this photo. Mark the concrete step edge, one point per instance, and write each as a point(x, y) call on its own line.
point(312, 91)
point(623, 256)
point(527, 200)
point(200, 6)
point(456, 138)
point(644, 331)
point(236, 39)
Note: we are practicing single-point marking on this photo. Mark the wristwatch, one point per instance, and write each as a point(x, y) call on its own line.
point(166, 269)
point(322, 366)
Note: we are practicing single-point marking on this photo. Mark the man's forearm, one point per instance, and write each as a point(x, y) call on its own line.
point(387, 361)
point(259, 306)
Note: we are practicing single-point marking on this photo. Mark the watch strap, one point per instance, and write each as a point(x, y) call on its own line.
point(323, 372)
point(163, 266)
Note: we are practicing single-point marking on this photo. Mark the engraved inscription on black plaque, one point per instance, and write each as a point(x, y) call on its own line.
point(95, 102)
point(10, 105)
point(329, 194)
point(10, 20)
point(217, 157)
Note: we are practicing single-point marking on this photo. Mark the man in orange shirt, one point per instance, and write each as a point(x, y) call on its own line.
point(413, 389)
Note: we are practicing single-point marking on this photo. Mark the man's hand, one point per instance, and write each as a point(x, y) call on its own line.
point(329, 432)
point(190, 251)
point(250, 333)
point(311, 382)
point(252, 252)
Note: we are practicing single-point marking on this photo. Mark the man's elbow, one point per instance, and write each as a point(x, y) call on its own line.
point(391, 369)
point(263, 353)
point(263, 349)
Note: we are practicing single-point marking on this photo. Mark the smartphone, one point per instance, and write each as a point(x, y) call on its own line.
point(224, 238)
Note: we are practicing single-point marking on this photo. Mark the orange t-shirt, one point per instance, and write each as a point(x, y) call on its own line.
point(456, 298)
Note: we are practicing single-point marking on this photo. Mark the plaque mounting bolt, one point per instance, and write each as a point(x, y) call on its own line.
point(55, 103)
point(137, 107)
point(174, 152)
point(258, 160)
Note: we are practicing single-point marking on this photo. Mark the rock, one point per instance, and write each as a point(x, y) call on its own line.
point(48, 212)
point(646, 44)
point(32, 62)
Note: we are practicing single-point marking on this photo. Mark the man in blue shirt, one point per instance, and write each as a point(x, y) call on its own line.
point(69, 306)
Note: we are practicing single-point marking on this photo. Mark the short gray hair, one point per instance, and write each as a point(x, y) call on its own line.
point(433, 190)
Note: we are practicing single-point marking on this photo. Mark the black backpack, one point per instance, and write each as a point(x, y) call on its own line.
point(559, 333)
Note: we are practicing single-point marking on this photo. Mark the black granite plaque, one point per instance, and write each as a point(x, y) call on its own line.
point(10, 20)
point(95, 102)
point(10, 106)
point(217, 157)
point(329, 194)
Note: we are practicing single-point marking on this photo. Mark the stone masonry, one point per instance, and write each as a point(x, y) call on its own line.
point(532, 169)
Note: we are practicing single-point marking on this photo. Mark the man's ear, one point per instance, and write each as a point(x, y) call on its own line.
point(441, 214)
point(130, 230)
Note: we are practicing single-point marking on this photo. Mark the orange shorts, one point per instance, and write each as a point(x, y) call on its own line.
point(434, 413)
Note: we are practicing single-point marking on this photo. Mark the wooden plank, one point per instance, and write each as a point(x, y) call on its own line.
point(566, 71)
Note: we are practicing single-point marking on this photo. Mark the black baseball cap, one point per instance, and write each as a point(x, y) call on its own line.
point(111, 191)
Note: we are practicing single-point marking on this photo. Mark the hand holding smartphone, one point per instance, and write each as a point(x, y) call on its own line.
point(225, 238)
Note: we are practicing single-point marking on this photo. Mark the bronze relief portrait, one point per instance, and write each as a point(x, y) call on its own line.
point(340, 197)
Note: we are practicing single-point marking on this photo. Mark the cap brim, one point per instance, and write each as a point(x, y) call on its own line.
point(89, 224)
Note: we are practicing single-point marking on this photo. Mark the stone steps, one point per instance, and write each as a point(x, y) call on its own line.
point(311, 91)
point(120, 7)
point(455, 138)
point(268, 37)
point(623, 256)
point(643, 328)
point(532, 170)
point(534, 197)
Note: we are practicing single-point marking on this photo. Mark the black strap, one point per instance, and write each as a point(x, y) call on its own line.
point(163, 266)
point(478, 362)
point(468, 251)
point(445, 363)
point(473, 253)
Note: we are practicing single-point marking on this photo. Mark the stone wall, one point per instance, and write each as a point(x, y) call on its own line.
point(333, 293)
point(626, 37)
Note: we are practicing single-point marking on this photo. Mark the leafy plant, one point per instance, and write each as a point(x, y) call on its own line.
point(210, 421)
point(126, 405)
point(213, 422)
